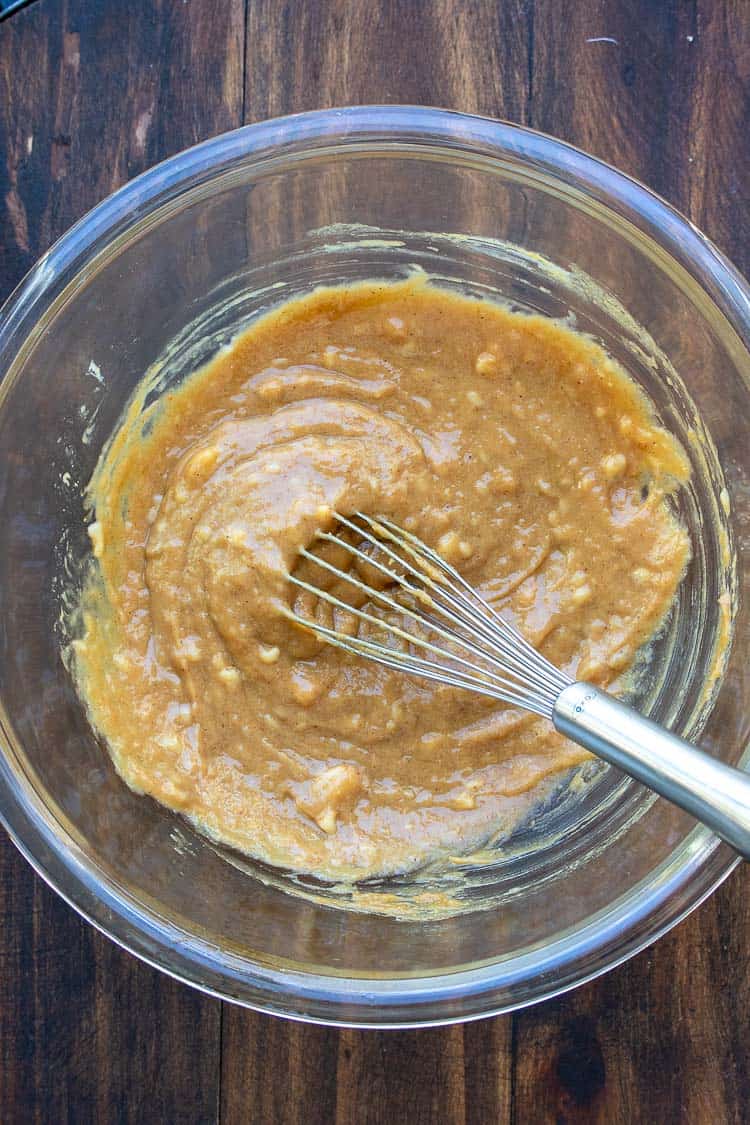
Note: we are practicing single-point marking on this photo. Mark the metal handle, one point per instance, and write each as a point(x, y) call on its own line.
point(713, 792)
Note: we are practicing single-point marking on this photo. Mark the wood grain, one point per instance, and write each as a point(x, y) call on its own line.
point(662, 1038)
point(91, 93)
point(472, 56)
point(456, 1076)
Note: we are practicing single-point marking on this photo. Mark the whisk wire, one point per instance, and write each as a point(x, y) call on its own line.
point(496, 630)
point(546, 671)
point(375, 649)
point(446, 607)
point(479, 626)
point(427, 669)
point(400, 607)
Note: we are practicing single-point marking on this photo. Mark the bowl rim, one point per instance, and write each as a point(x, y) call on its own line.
point(398, 1002)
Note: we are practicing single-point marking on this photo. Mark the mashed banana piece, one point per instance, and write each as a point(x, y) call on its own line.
point(515, 446)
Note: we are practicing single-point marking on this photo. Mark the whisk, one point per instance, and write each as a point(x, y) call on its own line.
point(427, 620)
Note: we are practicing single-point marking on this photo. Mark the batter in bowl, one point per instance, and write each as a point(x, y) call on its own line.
point(513, 445)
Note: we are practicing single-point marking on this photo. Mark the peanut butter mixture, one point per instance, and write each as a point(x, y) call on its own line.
point(514, 446)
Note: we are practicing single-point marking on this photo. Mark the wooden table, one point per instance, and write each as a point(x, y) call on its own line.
point(91, 94)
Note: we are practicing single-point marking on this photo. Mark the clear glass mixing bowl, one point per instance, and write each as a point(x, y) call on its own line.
point(166, 271)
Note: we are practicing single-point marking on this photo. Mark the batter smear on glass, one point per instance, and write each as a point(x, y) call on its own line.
point(511, 444)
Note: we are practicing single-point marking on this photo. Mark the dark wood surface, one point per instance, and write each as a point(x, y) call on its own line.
point(92, 93)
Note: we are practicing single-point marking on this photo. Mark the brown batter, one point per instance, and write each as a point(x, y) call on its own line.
point(513, 445)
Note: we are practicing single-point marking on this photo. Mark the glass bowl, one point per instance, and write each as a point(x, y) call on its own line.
point(169, 269)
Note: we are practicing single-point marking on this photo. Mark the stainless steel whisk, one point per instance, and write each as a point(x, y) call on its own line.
point(455, 637)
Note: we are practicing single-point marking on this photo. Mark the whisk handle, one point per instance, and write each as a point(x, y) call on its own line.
point(713, 792)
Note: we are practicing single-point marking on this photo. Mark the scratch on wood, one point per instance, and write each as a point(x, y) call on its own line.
point(142, 126)
point(71, 50)
point(18, 219)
